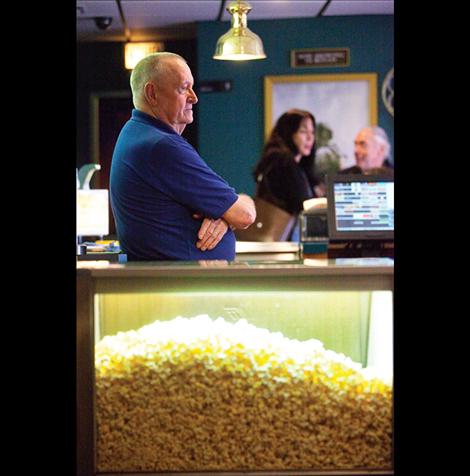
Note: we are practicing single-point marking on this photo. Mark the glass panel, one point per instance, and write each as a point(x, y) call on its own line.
point(266, 387)
point(339, 319)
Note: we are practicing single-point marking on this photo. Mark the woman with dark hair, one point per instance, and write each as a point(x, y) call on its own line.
point(284, 174)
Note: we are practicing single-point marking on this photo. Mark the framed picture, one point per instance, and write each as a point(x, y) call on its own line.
point(341, 104)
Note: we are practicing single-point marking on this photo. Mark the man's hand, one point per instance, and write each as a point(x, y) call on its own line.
point(210, 233)
point(320, 189)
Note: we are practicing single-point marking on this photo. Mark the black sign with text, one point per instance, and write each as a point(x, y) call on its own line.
point(312, 57)
point(224, 85)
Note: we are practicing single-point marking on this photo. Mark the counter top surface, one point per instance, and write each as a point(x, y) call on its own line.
point(223, 268)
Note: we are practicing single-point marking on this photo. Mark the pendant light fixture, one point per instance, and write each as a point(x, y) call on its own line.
point(239, 43)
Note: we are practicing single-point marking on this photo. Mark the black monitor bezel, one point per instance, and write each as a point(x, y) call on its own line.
point(358, 235)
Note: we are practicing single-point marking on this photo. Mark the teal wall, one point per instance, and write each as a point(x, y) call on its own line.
point(231, 124)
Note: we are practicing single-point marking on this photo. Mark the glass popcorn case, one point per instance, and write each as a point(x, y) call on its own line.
point(216, 367)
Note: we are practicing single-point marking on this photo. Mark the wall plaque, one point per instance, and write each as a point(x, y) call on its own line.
point(319, 57)
point(215, 86)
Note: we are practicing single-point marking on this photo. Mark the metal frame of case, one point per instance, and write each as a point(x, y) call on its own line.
point(92, 279)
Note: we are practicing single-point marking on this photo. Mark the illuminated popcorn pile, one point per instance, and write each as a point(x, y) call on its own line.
point(202, 394)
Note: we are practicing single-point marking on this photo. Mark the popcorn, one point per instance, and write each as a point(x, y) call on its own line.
point(195, 394)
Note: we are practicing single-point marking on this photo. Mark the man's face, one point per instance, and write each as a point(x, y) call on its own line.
point(368, 152)
point(175, 95)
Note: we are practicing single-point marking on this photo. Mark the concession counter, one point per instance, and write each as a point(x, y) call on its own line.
point(240, 367)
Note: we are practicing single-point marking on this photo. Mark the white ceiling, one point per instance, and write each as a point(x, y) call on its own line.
point(164, 19)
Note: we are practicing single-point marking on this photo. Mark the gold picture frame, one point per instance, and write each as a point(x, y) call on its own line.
point(345, 102)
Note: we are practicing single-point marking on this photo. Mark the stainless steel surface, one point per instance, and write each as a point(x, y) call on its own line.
point(338, 269)
point(320, 274)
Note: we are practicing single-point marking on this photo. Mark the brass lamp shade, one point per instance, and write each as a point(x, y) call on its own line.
point(239, 43)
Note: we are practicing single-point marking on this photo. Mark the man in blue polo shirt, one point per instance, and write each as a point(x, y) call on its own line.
point(168, 204)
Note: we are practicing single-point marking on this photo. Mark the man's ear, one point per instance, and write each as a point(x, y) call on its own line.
point(150, 93)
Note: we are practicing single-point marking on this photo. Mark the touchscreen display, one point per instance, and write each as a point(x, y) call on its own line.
point(364, 206)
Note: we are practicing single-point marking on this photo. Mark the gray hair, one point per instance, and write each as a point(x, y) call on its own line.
point(381, 136)
point(148, 68)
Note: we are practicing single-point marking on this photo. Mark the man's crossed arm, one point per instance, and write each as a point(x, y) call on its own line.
point(239, 216)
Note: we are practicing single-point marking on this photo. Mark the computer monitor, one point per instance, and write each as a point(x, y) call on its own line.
point(360, 208)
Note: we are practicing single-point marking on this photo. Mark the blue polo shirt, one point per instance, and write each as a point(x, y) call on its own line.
point(157, 182)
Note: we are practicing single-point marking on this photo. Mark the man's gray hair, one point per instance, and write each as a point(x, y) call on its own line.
point(381, 136)
point(148, 68)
